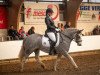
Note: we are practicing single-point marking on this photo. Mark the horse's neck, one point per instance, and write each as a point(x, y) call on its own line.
point(70, 32)
point(68, 35)
point(65, 37)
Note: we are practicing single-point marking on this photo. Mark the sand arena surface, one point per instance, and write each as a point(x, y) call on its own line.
point(88, 62)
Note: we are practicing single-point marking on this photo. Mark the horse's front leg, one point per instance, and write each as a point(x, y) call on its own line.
point(38, 60)
point(56, 62)
point(71, 59)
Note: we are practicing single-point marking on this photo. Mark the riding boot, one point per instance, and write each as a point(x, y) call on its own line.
point(52, 49)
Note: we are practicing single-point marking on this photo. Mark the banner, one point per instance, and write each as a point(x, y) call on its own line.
point(35, 12)
point(88, 13)
point(3, 18)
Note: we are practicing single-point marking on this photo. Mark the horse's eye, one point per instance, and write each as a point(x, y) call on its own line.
point(77, 36)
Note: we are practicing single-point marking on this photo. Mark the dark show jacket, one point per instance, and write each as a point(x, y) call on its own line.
point(50, 24)
point(12, 32)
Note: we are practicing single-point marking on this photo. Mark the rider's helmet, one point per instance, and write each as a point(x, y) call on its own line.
point(49, 10)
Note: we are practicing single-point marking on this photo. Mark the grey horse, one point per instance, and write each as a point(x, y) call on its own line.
point(33, 43)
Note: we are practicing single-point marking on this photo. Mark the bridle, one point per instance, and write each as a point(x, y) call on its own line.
point(69, 37)
point(77, 40)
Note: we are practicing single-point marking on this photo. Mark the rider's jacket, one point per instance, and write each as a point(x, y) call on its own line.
point(50, 24)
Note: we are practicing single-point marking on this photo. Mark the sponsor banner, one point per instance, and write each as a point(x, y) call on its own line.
point(88, 13)
point(3, 18)
point(35, 12)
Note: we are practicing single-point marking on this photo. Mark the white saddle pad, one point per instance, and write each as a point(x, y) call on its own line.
point(46, 43)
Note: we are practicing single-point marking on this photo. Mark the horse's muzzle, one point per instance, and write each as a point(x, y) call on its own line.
point(79, 44)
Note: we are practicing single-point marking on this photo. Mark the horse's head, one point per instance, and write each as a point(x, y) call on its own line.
point(77, 37)
point(73, 34)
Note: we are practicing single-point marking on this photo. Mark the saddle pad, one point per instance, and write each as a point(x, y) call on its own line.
point(46, 43)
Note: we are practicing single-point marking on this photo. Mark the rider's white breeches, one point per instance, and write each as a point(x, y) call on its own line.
point(52, 36)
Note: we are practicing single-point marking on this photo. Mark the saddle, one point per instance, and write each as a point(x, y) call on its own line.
point(46, 40)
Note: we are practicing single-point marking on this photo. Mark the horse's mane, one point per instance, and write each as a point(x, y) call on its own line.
point(68, 30)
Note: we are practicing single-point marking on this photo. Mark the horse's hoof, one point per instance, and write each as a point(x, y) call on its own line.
point(99, 71)
point(76, 67)
point(43, 66)
point(55, 69)
point(21, 70)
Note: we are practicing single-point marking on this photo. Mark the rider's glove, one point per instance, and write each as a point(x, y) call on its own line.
point(57, 29)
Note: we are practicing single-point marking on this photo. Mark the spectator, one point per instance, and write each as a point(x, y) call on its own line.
point(22, 33)
point(99, 16)
point(13, 33)
point(60, 26)
point(67, 25)
point(31, 31)
point(96, 31)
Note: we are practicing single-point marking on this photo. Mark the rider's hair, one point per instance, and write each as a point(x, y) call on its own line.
point(49, 10)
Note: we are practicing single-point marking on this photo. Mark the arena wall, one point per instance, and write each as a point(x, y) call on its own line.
point(10, 49)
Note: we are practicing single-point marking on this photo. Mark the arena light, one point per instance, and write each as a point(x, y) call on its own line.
point(1, 1)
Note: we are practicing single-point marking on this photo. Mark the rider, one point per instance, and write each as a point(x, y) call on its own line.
point(51, 30)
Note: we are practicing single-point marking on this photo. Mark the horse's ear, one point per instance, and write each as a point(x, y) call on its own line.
point(79, 31)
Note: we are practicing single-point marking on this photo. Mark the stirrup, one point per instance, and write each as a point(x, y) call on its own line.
point(52, 52)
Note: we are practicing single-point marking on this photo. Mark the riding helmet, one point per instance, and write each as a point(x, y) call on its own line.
point(49, 10)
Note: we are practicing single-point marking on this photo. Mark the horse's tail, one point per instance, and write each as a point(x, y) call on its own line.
point(21, 53)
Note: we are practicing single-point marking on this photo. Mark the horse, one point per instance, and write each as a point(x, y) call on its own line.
point(33, 43)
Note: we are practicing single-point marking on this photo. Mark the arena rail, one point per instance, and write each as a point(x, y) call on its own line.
point(10, 49)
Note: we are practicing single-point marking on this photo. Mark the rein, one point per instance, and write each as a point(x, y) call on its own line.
point(66, 36)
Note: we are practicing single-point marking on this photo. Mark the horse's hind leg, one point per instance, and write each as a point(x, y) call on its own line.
point(38, 60)
point(23, 61)
point(71, 59)
point(56, 62)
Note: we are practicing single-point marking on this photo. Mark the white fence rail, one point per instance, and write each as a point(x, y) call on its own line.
point(10, 49)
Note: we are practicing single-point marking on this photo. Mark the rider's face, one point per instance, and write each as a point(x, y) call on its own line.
point(50, 13)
